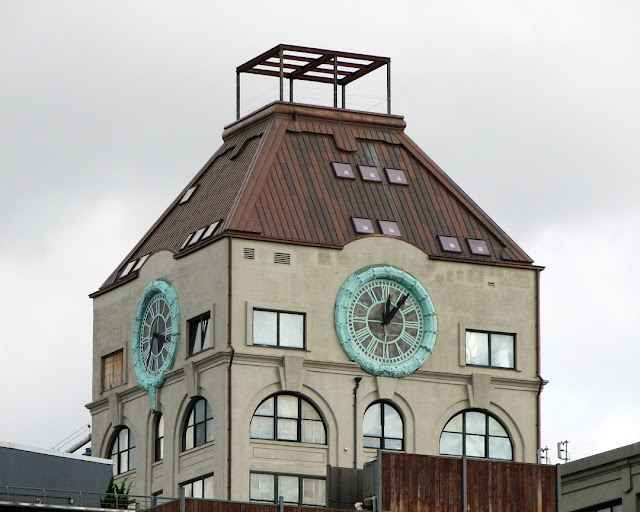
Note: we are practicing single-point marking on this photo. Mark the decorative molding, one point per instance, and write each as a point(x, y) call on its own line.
point(191, 379)
point(480, 390)
point(293, 373)
point(115, 409)
point(386, 387)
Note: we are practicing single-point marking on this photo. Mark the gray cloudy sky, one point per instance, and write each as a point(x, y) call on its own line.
point(107, 109)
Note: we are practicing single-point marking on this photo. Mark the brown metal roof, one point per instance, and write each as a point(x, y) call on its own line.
point(273, 179)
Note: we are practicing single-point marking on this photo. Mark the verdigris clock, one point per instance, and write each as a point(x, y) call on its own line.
point(156, 334)
point(385, 321)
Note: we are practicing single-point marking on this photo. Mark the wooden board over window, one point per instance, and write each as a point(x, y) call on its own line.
point(112, 370)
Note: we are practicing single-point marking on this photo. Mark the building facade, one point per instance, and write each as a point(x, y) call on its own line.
point(319, 290)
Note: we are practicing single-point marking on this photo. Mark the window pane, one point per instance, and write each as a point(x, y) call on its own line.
point(188, 490)
point(123, 439)
point(392, 422)
point(502, 350)
point(196, 337)
point(393, 444)
point(199, 434)
point(478, 348)
point(475, 446)
point(450, 444)
point(199, 410)
point(207, 333)
point(308, 411)
point(209, 431)
point(500, 448)
point(188, 438)
point(161, 426)
point(266, 408)
point(261, 428)
point(262, 487)
point(454, 425)
point(208, 488)
point(476, 423)
point(372, 424)
point(616, 508)
point(287, 429)
point(287, 406)
point(313, 492)
point(312, 432)
point(291, 330)
point(197, 489)
point(495, 429)
point(265, 328)
point(371, 442)
point(288, 488)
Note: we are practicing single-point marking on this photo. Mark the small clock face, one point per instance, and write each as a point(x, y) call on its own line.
point(156, 342)
point(385, 321)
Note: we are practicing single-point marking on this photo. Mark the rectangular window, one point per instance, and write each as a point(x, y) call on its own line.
point(112, 370)
point(295, 489)
point(199, 488)
point(200, 333)
point(278, 328)
point(493, 349)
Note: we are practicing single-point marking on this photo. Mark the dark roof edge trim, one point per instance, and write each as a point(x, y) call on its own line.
point(522, 265)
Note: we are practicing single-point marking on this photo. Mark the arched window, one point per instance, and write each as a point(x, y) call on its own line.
point(198, 428)
point(286, 417)
point(476, 434)
point(158, 436)
point(123, 451)
point(383, 427)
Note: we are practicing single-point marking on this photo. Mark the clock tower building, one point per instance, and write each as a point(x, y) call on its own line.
point(320, 290)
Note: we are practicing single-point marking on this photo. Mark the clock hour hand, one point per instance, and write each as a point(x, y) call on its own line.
point(386, 309)
point(388, 317)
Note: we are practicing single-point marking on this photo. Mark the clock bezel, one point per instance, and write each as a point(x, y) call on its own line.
point(146, 380)
point(351, 290)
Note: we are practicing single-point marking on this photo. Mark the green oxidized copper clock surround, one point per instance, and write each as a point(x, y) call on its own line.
point(156, 334)
point(386, 321)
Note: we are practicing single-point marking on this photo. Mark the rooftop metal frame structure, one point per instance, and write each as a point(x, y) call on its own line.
point(302, 63)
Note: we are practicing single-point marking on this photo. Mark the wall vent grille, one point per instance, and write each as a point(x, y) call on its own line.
point(282, 258)
point(249, 253)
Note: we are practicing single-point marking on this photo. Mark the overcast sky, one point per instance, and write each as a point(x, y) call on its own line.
point(107, 109)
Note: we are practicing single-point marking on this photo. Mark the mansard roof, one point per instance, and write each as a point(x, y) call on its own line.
point(274, 179)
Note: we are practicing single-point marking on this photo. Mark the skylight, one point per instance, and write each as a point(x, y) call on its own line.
point(362, 225)
point(186, 241)
point(197, 235)
point(450, 244)
point(187, 195)
point(478, 247)
point(389, 227)
point(397, 176)
point(128, 268)
point(369, 173)
point(141, 262)
point(343, 170)
point(210, 230)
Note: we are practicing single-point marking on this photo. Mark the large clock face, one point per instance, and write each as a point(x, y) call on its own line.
point(156, 338)
point(386, 321)
point(156, 334)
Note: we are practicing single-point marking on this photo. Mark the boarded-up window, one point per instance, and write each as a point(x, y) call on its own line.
point(112, 370)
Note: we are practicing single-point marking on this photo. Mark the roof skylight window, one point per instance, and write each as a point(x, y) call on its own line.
point(210, 230)
point(187, 195)
point(450, 244)
point(343, 170)
point(362, 225)
point(197, 236)
point(128, 268)
point(389, 228)
point(397, 176)
point(186, 241)
point(369, 173)
point(141, 262)
point(478, 247)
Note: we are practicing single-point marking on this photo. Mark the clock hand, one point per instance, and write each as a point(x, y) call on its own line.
point(393, 312)
point(386, 308)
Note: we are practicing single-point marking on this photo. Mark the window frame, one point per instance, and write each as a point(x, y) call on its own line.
point(490, 333)
point(278, 312)
point(300, 477)
point(382, 437)
point(107, 357)
point(130, 451)
point(158, 440)
point(299, 420)
point(607, 506)
point(486, 435)
point(202, 478)
point(191, 323)
point(192, 410)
